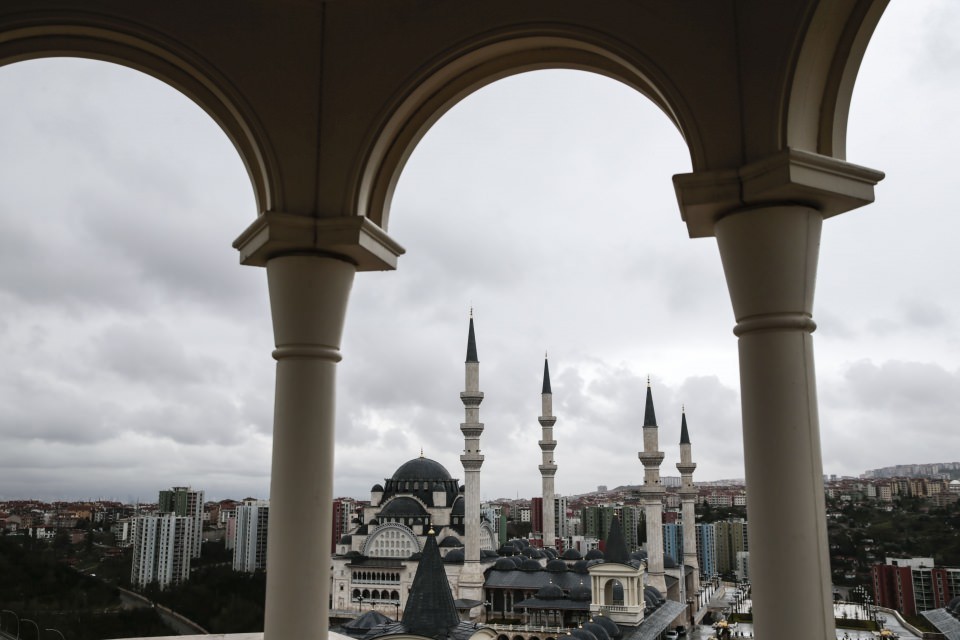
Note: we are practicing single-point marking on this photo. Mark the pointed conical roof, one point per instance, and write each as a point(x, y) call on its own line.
point(471, 342)
point(649, 417)
point(430, 609)
point(684, 435)
point(546, 376)
point(616, 550)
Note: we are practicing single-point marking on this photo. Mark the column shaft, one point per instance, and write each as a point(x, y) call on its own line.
point(308, 299)
point(769, 257)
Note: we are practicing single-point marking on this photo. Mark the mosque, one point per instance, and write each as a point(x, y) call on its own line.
point(422, 506)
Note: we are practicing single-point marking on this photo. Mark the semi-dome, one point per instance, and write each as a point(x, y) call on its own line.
point(454, 557)
point(347, 539)
point(458, 507)
point(550, 592)
point(450, 541)
point(403, 506)
point(556, 566)
point(504, 564)
point(571, 554)
point(421, 469)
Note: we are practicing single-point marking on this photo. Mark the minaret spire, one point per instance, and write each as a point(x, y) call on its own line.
point(688, 498)
point(471, 578)
point(652, 493)
point(548, 468)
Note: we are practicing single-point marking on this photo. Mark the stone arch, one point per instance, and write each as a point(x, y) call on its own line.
point(491, 57)
point(817, 105)
point(391, 538)
point(611, 588)
point(109, 39)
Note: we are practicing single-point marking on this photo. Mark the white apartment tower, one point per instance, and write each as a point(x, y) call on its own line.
point(548, 468)
point(471, 578)
point(250, 540)
point(652, 495)
point(161, 550)
point(688, 496)
point(188, 503)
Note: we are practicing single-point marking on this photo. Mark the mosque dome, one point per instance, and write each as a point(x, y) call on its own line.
point(454, 557)
point(594, 554)
point(516, 560)
point(556, 566)
point(550, 592)
point(458, 507)
point(638, 555)
point(530, 565)
point(596, 630)
point(583, 634)
point(669, 562)
point(421, 469)
point(377, 488)
point(580, 566)
point(504, 564)
point(403, 506)
point(613, 630)
point(530, 552)
point(507, 550)
point(581, 593)
point(488, 553)
point(548, 552)
point(347, 539)
point(571, 554)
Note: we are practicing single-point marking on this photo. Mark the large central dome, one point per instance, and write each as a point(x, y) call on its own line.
point(422, 469)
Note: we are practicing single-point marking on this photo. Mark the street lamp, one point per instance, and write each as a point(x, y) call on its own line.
point(35, 625)
point(360, 600)
point(396, 603)
point(57, 632)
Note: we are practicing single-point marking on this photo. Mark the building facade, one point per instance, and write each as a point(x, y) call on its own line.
point(250, 547)
point(162, 548)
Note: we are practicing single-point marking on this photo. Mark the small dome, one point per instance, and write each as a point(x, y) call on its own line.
point(487, 553)
point(520, 543)
point(450, 541)
point(530, 565)
point(556, 566)
point(517, 560)
point(590, 563)
point(669, 562)
point(374, 522)
point(347, 539)
point(377, 488)
point(421, 469)
point(548, 552)
point(571, 554)
point(530, 552)
point(583, 634)
point(415, 556)
point(581, 593)
point(402, 506)
point(550, 592)
point(457, 509)
point(504, 564)
point(638, 555)
point(613, 630)
point(454, 557)
point(353, 554)
point(594, 554)
point(507, 550)
point(580, 566)
point(596, 630)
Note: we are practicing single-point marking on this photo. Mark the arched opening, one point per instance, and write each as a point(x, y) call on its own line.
point(120, 200)
point(613, 593)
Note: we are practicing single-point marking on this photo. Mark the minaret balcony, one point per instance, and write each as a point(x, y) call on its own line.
point(471, 398)
point(686, 469)
point(651, 458)
point(547, 421)
point(548, 445)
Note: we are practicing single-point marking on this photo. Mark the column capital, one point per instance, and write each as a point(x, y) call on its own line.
point(355, 239)
point(791, 176)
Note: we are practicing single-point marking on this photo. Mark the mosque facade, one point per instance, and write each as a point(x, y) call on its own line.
point(375, 564)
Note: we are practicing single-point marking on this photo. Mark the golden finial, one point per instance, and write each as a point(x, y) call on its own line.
point(471, 311)
point(648, 379)
point(421, 452)
point(683, 408)
point(431, 532)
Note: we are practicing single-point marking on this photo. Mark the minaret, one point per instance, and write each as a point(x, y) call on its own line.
point(652, 495)
point(688, 497)
point(471, 578)
point(549, 468)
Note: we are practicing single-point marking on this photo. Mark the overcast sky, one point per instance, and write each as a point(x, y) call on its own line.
point(136, 352)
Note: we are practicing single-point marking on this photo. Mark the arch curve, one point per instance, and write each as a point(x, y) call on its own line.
point(475, 64)
point(110, 39)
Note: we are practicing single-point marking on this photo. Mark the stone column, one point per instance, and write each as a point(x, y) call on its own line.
point(769, 257)
point(310, 264)
point(767, 217)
